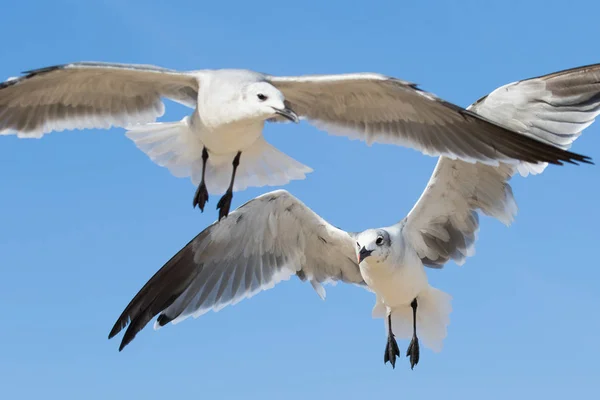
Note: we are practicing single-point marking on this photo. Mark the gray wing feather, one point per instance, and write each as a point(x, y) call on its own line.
point(554, 108)
point(443, 224)
point(90, 95)
point(263, 242)
point(378, 108)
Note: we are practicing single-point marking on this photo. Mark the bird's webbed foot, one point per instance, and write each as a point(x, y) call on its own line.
point(391, 350)
point(413, 352)
point(201, 196)
point(225, 204)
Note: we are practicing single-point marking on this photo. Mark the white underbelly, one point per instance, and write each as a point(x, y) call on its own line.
point(229, 138)
point(395, 286)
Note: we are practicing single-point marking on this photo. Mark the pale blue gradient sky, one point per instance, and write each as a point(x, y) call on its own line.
point(86, 218)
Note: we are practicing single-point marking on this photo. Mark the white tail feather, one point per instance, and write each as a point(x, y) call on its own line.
point(169, 144)
point(433, 317)
point(173, 145)
point(261, 164)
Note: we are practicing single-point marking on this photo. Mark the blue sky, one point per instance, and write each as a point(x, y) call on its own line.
point(86, 218)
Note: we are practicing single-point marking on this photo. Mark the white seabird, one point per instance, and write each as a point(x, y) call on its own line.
point(221, 144)
point(275, 236)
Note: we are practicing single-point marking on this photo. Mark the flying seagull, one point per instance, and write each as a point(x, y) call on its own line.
point(275, 236)
point(221, 144)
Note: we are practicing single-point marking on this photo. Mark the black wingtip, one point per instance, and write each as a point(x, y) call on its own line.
point(117, 327)
point(522, 147)
point(29, 74)
point(132, 330)
point(161, 290)
point(131, 333)
point(570, 158)
point(576, 158)
point(33, 72)
point(162, 320)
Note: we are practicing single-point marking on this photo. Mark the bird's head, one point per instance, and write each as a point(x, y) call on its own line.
point(267, 102)
point(374, 244)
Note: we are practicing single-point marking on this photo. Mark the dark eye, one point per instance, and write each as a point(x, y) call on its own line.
point(261, 97)
point(379, 241)
point(358, 245)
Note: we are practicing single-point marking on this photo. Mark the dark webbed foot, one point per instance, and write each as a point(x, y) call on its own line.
point(225, 204)
point(225, 201)
point(413, 352)
point(201, 196)
point(413, 348)
point(391, 351)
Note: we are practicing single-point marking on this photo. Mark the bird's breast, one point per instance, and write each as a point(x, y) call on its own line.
point(229, 137)
point(396, 285)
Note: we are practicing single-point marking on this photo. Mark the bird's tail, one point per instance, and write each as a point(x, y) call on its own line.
point(169, 144)
point(260, 165)
point(433, 317)
point(175, 146)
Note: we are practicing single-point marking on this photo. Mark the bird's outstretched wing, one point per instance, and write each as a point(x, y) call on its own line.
point(261, 243)
point(89, 95)
point(555, 108)
point(444, 222)
point(378, 108)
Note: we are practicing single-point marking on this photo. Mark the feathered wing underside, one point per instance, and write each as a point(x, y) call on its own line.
point(443, 224)
point(377, 108)
point(90, 95)
point(261, 243)
point(555, 108)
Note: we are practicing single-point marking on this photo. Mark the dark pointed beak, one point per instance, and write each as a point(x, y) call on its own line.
point(288, 113)
point(363, 253)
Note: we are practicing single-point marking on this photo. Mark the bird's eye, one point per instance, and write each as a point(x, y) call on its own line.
point(358, 245)
point(261, 97)
point(379, 241)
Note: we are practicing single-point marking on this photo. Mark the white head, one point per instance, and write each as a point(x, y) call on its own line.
point(374, 244)
point(265, 101)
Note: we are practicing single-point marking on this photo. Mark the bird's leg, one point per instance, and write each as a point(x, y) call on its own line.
point(391, 348)
point(201, 196)
point(413, 347)
point(225, 201)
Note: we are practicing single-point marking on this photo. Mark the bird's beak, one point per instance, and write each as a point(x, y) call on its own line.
point(363, 253)
point(288, 113)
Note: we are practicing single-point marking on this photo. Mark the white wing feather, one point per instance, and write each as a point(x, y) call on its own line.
point(554, 108)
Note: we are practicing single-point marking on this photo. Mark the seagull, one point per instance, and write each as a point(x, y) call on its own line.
point(220, 145)
point(275, 236)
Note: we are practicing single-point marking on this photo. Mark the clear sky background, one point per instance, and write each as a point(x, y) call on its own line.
point(86, 218)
